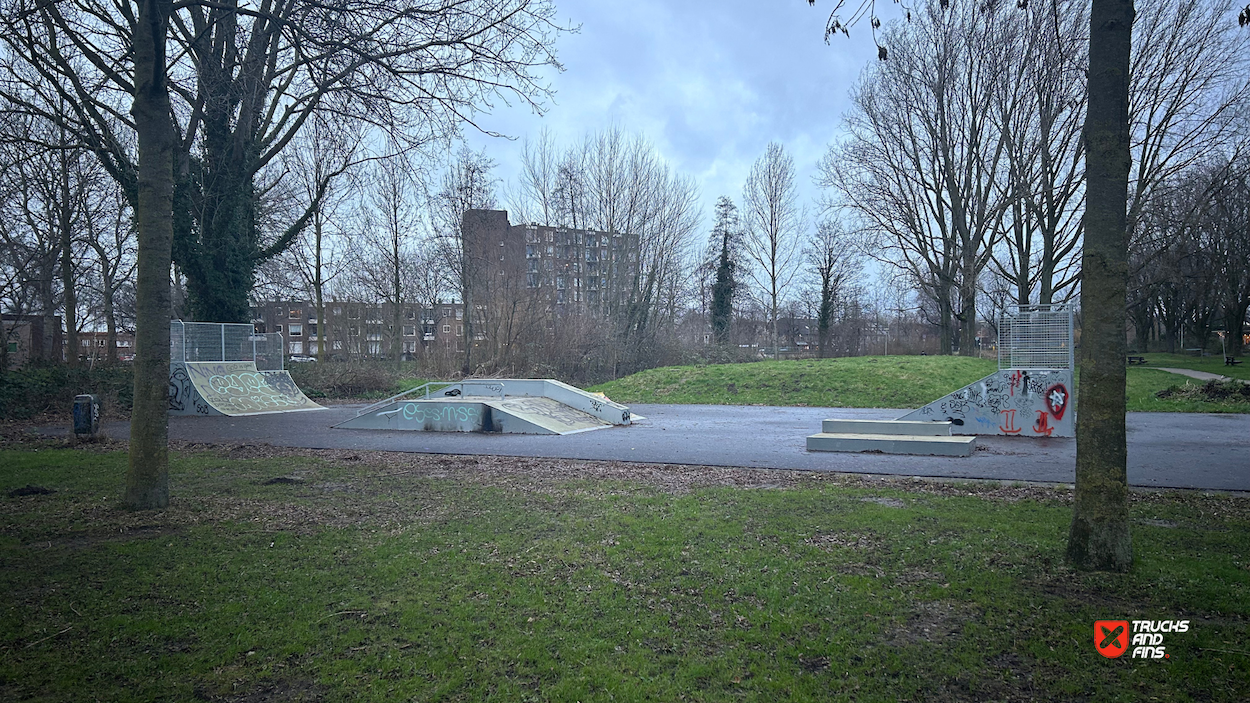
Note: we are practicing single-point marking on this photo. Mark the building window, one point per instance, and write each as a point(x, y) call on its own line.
point(410, 330)
point(296, 313)
point(338, 310)
point(460, 314)
point(297, 347)
point(353, 331)
point(337, 345)
point(446, 329)
point(295, 330)
point(459, 330)
point(410, 313)
point(410, 347)
point(531, 280)
point(353, 314)
point(446, 312)
point(277, 328)
point(12, 347)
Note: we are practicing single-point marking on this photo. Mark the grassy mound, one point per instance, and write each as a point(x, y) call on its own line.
point(853, 382)
point(874, 382)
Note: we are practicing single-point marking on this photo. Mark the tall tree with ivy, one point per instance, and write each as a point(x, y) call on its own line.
point(726, 239)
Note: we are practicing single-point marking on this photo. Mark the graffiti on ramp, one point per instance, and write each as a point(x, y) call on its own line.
point(238, 388)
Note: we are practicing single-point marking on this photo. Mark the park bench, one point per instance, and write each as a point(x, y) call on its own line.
point(1136, 360)
point(1231, 361)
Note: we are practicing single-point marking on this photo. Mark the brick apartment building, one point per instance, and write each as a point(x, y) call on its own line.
point(357, 330)
point(569, 269)
point(550, 270)
point(93, 346)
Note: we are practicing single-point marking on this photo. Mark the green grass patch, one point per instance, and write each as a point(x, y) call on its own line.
point(1210, 364)
point(866, 382)
point(851, 382)
point(464, 579)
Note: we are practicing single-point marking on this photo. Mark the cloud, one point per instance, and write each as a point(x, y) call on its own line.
point(710, 84)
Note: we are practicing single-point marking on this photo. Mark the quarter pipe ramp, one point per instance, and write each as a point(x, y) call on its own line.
point(232, 388)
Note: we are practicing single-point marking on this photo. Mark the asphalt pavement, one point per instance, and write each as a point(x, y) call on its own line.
point(1165, 450)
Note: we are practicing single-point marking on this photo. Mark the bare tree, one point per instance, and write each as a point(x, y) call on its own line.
point(247, 78)
point(326, 150)
point(467, 184)
point(830, 254)
point(111, 236)
point(1040, 112)
point(922, 166)
point(772, 221)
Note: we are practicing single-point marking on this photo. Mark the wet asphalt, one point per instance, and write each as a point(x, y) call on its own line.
point(1165, 450)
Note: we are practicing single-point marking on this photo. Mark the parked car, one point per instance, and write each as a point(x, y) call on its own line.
point(301, 359)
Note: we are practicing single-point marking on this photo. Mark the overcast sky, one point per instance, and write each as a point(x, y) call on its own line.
point(708, 83)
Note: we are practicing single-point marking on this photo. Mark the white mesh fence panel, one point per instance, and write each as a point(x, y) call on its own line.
point(215, 341)
point(1035, 337)
point(268, 351)
point(177, 340)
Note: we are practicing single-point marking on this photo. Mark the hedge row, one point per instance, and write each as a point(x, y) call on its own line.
point(33, 391)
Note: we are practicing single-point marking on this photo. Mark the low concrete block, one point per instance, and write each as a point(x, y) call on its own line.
point(900, 427)
point(892, 444)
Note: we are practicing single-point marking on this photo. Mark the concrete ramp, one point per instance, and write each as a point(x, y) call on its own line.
point(514, 406)
point(1026, 403)
point(541, 416)
point(235, 388)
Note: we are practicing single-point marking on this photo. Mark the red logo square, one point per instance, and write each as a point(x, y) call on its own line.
point(1111, 637)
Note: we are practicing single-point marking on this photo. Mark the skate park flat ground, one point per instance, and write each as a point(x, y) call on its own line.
point(1165, 450)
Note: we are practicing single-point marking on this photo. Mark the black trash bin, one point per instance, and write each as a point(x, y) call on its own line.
point(86, 415)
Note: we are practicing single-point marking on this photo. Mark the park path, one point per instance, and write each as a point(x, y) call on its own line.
point(1200, 375)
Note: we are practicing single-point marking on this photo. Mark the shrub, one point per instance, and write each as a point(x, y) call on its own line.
point(36, 390)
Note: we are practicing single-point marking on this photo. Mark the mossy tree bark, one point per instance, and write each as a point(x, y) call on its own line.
point(1099, 537)
point(147, 481)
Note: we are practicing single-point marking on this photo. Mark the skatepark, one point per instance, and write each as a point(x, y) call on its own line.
point(227, 386)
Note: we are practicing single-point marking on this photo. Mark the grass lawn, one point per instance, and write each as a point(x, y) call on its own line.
point(378, 577)
point(1210, 364)
point(850, 382)
point(863, 382)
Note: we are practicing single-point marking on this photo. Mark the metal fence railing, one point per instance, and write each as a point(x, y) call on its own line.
point(1035, 337)
point(221, 341)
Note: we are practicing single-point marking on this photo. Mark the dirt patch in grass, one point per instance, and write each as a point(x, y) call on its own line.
point(933, 621)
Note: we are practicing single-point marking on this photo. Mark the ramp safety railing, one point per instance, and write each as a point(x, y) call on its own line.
point(494, 387)
point(1035, 337)
point(224, 341)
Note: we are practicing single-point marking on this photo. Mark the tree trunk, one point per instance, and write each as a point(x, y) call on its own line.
point(1099, 536)
point(147, 481)
point(65, 223)
point(323, 344)
point(110, 322)
point(1234, 325)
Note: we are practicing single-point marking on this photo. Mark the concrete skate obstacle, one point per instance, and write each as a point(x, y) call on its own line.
point(1031, 394)
point(507, 405)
